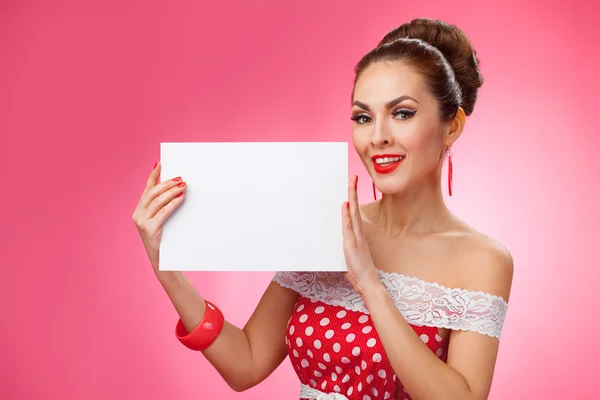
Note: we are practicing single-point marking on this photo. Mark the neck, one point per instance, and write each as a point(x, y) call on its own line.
point(419, 210)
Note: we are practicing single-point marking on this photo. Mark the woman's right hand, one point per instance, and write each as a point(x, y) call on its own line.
point(158, 202)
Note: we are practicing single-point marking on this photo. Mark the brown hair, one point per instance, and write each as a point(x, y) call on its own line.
point(442, 53)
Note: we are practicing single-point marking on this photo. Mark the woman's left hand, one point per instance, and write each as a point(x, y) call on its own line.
point(361, 269)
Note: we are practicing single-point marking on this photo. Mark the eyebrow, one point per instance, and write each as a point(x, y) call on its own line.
point(389, 104)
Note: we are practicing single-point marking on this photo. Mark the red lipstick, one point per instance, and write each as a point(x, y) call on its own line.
point(386, 168)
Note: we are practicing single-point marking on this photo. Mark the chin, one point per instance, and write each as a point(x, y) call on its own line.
point(389, 187)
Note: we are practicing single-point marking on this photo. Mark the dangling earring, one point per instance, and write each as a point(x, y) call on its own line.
point(374, 195)
point(450, 171)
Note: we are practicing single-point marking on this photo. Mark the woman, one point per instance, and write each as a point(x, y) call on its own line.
point(420, 311)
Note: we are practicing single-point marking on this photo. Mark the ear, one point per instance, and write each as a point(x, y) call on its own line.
point(455, 127)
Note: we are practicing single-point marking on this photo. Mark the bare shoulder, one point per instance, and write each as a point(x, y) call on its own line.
point(486, 264)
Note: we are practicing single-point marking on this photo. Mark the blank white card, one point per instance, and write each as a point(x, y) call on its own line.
point(256, 206)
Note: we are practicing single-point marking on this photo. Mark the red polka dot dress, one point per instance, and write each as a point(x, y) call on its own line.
point(334, 346)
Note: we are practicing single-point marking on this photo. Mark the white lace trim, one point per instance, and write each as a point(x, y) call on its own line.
point(421, 303)
point(307, 392)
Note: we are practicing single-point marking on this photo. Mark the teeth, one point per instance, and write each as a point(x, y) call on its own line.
point(385, 160)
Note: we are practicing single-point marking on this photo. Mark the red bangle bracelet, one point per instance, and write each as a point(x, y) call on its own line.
point(205, 333)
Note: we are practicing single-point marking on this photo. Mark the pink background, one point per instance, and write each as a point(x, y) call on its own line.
point(89, 89)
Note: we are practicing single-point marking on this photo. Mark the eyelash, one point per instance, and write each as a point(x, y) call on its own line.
point(408, 114)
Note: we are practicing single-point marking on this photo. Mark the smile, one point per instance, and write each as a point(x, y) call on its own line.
point(386, 163)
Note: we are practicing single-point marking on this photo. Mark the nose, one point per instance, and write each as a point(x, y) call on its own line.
point(381, 136)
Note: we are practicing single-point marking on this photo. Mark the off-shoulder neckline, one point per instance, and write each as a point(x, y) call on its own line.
point(435, 284)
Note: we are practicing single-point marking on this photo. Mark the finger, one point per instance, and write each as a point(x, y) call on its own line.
point(153, 178)
point(165, 211)
point(151, 182)
point(160, 201)
point(354, 207)
point(347, 231)
point(158, 190)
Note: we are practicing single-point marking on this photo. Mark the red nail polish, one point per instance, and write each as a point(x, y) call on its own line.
point(177, 179)
point(347, 204)
point(356, 182)
point(179, 195)
point(155, 164)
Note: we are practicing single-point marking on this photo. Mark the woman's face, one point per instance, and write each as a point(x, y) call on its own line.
point(396, 128)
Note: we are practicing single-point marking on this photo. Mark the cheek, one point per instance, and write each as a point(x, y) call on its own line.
point(424, 146)
point(360, 142)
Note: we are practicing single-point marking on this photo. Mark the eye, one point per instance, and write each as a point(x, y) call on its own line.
point(358, 118)
point(406, 114)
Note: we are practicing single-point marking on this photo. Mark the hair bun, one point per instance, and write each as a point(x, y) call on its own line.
point(456, 47)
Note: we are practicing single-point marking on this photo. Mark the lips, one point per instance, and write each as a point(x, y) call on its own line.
point(386, 163)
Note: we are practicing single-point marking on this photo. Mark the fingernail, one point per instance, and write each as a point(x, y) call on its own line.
point(356, 182)
point(155, 164)
point(347, 204)
point(179, 195)
point(182, 184)
point(177, 179)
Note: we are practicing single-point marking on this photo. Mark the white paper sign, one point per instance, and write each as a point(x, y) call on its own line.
point(256, 206)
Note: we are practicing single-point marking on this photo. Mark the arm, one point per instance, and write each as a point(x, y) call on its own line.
point(243, 357)
point(471, 356)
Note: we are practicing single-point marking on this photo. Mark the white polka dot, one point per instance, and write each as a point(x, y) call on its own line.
point(336, 388)
point(324, 321)
point(337, 347)
point(381, 374)
point(295, 353)
point(318, 374)
point(310, 353)
point(394, 379)
point(317, 344)
point(439, 352)
point(300, 307)
point(350, 337)
point(313, 300)
point(424, 338)
point(363, 318)
point(345, 360)
point(309, 331)
point(303, 318)
point(299, 341)
point(346, 325)
point(350, 390)
point(341, 314)
point(369, 379)
point(323, 385)
point(313, 383)
point(438, 338)
point(377, 357)
point(322, 366)
point(387, 395)
point(365, 397)
point(374, 391)
point(333, 376)
point(346, 378)
point(363, 364)
point(359, 386)
point(356, 351)
point(371, 342)
point(292, 329)
point(357, 369)
point(329, 334)
point(338, 370)
point(319, 310)
point(326, 357)
point(367, 329)
point(304, 363)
